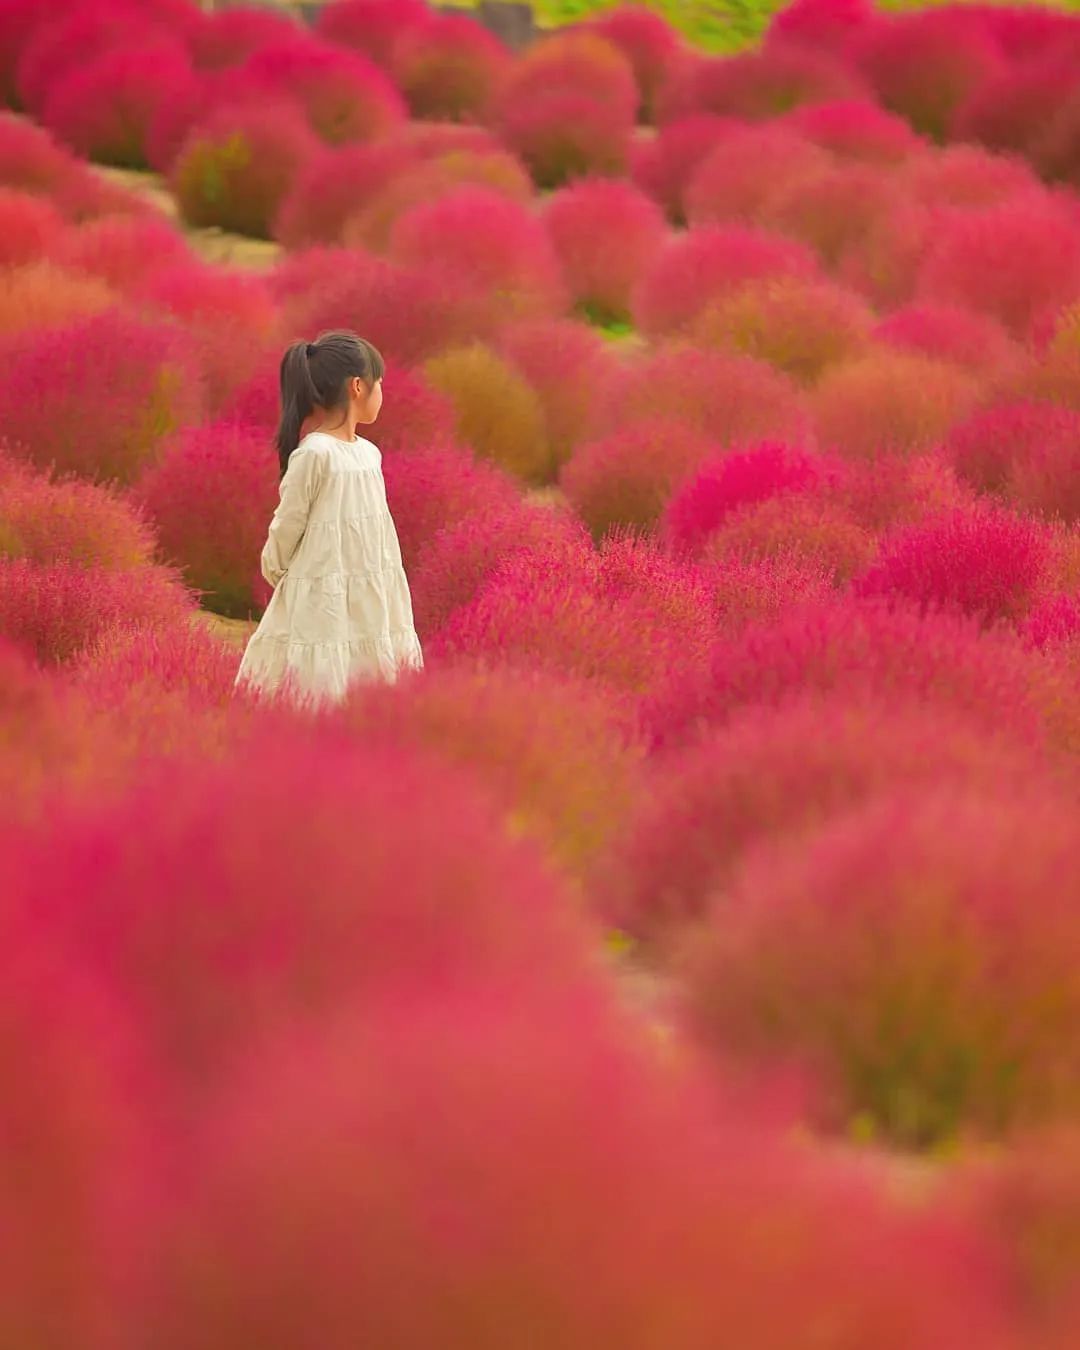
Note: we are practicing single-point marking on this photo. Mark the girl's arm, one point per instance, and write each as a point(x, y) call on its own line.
point(297, 492)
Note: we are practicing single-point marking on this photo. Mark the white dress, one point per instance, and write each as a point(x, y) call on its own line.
point(341, 608)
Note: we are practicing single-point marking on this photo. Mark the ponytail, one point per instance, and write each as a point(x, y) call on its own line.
point(298, 400)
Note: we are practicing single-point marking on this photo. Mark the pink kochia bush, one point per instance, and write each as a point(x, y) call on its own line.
point(30, 227)
point(663, 165)
point(650, 44)
point(450, 68)
point(766, 84)
point(334, 185)
point(215, 941)
point(211, 494)
point(606, 234)
point(371, 27)
point(125, 251)
point(997, 442)
point(98, 396)
point(917, 954)
point(985, 561)
point(230, 35)
point(56, 610)
point(949, 333)
point(768, 774)
point(738, 180)
point(705, 265)
point(856, 130)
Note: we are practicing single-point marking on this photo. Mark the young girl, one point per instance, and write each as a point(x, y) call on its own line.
point(341, 608)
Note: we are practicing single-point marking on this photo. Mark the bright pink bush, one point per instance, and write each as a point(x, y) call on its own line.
point(103, 108)
point(1012, 109)
point(183, 108)
point(966, 176)
point(99, 395)
point(949, 333)
point(855, 648)
point(855, 129)
point(707, 264)
point(18, 21)
point(721, 486)
point(147, 674)
point(916, 954)
point(884, 263)
point(836, 209)
point(346, 96)
point(235, 168)
point(762, 85)
point(211, 494)
point(830, 24)
point(30, 227)
point(56, 610)
point(435, 487)
point(488, 242)
point(818, 533)
point(924, 66)
point(753, 590)
point(1010, 261)
point(627, 477)
point(985, 562)
point(333, 186)
point(648, 42)
point(664, 164)
point(895, 488)
point(229, 36)
point(450, 68)
point(890, 403)
point(768, 774)
point(125, 251)
point(371, 27)
point(30, 159)
point(733, 400)
point(748, 169)
point(987, 446)
point(606, 234)
point(566, 364)
point(1053, 622)
point(566, 134)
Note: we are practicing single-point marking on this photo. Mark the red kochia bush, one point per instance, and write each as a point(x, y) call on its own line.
point(211, 495)
point(917, 954)
point(58, 609)
point(949, 333)
point(835, 209)
point(125, 251)
point(103, 109)
point(229, 36)
point(566, 134)
point(606, 235)
point(485, 240)
point(664, 164)
point(333, 186)
point(450, 68)
point(854, 129)
point(966, 176)
point(770, 773)
point(31, 159)
point(739, 179)
point(18, 21)
point(648, 42)
point(765, 84)
point(708, 264)
point(178, 113)
point(984, 561)
point(235, 169)
point(1012, 109)
point(820, 534)
point(1011, 261)
point(372, 27)
point(98, 396)
point(721, 486)
point(30, 227)
point(346, 96)
point(214, 940)
point(830, 24)
point(924, 66)
point(627, 477)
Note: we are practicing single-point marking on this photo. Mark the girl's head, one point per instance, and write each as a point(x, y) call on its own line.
point(339, 373)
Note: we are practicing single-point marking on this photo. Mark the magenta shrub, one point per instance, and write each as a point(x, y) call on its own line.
point(966, 176)
point(827, 24)
point(648, 42)
point(30, 227)
point(747, 170)
point(664, 164)
point(566, 134)
point(125, 251)
point(856, 129)
point(948, 332)
point(450, 69)
point(333, 186)
point(836, 209)
point(229, 36)
point(987, 446)
point(30, 158)
point(372, 27)
point(761, 85)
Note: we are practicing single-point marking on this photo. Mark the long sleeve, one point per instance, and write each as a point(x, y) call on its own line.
point(296, 493)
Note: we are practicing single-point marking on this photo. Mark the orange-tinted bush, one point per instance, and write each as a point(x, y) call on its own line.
point(450, 68)
point(947, 332)
point(836, 209)
point(42, 294)
point(30, 227)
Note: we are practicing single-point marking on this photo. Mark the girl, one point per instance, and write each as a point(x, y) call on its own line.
point(341, 608)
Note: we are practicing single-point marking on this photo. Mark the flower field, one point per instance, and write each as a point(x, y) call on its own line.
point(689, 955)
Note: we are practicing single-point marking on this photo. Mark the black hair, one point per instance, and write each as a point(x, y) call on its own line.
point(314, 375)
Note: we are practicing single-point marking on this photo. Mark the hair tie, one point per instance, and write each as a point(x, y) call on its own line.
point(310, 350)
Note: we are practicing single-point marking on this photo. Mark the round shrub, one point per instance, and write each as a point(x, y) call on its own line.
point(346, 96)
point(566, 364)
point(890, 403)
point(488, 242)
point(56, 610)
point(1055, 151)
point(29, 157)
point(708, 264)
point(229, 36)
point(574, 61)
point(947, 332)
point(801, 327)
point(450, 69)
point(649, 44)
point(828, 24)
point(761, 589)
point(67, 520)
point(987, 447)
point(497, 413)
point(836, 209)
point(99, 395)
point(606, 234)
point(740, 177)
point(664, 164)
point(984, 561)
point(235, 168)
point(765, 84)
point(1010, 261)
point(822, 536)
point(371, 27)
point(896, 488)
point(720, 486)
point(553, 750)
point(916, 953)
point(732, 400)
point(627, 477)
point(884, 261)
point(210, 494)
point(30, 227)
point(767, 775)
point(124, 251)
point(856, 129)
point(333, 186)
point(102, 109)
point(964, 176)
point(183, 108)
point(18, 21)
point(1012, 109)
point(924, 66)
point(43, 295)
point(436, 487)
point(566, 134)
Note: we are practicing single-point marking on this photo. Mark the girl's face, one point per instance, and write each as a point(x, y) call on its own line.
point(365, 402)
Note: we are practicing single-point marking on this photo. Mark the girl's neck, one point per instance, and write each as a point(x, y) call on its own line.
point(344, 431)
